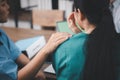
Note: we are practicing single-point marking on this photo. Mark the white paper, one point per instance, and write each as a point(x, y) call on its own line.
point(35, 47)
point(31, 45)
point(50, 69)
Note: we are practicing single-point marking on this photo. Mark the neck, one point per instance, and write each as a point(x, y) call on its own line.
point(89, 28)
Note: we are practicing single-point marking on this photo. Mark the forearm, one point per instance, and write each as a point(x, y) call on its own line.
point(22, 60)
point(31, 69)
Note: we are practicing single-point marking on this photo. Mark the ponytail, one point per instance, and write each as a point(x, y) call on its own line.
point(99, 61)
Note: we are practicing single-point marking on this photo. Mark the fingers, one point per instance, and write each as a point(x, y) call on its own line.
point(71, 16)
point(62, 37)
point(71, 24)
point(55, 40)
point(61, 40)
point(59, 35)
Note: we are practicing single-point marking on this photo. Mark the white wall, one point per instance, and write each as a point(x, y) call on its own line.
point(41, 4)
point(66, 5)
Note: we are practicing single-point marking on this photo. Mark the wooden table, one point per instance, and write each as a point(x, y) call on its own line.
point(16, 34)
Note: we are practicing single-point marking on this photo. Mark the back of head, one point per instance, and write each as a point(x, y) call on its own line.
point(99, 62)
point(92, 9)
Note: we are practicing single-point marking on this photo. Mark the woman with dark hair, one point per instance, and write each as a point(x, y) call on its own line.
point(88, 54)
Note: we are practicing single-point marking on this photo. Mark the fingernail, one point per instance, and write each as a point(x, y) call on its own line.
point(70, 35)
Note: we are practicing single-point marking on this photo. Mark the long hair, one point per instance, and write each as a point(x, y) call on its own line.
point(1, 1)
point(99, 63)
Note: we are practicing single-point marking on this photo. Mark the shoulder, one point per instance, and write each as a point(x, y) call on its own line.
point(74, 42)
point(76, 39)
point(3, 36)
point(2, 33)
point(67, 56)
point(73, 45)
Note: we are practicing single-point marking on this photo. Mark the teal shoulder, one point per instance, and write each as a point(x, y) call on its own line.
point(69, 57)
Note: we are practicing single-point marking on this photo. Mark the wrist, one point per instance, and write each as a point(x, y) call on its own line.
point(44, 51)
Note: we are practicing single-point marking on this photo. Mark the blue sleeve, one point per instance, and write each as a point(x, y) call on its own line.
point(14, 51)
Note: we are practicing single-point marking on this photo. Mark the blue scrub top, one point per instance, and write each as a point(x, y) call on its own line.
point(69, 58)
point(8, 54)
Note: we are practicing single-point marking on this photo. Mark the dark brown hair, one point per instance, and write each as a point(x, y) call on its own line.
point(99, 63)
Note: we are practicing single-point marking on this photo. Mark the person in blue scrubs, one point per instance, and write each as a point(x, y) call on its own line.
point(8, 54)
point(11, 57)
point(88, 55)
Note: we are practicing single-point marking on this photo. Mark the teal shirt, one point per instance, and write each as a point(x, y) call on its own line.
point(69, 58)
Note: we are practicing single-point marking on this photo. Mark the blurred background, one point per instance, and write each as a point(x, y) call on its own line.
point(33, 18)
point(21, 11)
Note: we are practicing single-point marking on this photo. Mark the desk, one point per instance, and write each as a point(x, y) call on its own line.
point(17, 34)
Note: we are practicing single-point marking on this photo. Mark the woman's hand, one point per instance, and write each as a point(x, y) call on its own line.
point(55, 40)
point(71, 23)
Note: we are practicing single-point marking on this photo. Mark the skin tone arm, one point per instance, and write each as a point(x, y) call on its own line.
point(30, 70)
point(23, 60)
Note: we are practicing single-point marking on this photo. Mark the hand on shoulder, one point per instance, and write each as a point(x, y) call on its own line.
point(55, 40)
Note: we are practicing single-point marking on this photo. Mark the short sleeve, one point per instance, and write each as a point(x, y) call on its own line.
point(60, 63)
point(59, 58)
point(14, 51)
point(69, 58)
